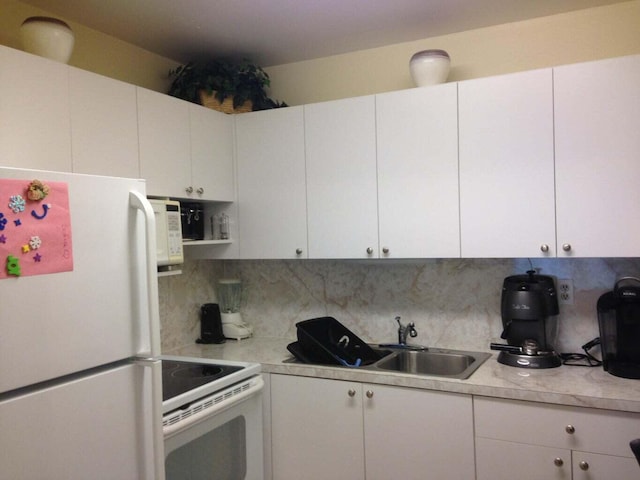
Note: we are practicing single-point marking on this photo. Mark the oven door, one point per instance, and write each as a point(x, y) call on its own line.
point(221, 439)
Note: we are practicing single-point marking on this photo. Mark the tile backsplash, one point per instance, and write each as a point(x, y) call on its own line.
point(455, 303)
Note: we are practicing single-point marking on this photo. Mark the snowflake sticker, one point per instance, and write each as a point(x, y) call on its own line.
point(16, 203)
point(35, 242)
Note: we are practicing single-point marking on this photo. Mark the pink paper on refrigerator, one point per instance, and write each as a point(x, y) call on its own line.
point(35, 228)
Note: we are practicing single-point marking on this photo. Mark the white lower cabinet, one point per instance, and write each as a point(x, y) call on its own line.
point(593, 466)
point(499, 459)
point(347, 430)
point(524, 440)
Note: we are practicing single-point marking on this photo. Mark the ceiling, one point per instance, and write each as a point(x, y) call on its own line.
point(275, 32)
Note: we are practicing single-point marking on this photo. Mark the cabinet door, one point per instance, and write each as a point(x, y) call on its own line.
point(592, 466)
point(597, 113)
point(586, 429)
point(417, 139)
point(34, 112)
point(412, 433)
point(164, 136)
point(271, 184)
point(507, 205)
point(500, 460)
point(211, 155)
point(340, 142)
point(316, 429)
point(104, 125)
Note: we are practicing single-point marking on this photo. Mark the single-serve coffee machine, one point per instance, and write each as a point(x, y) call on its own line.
point(529, 308)
point(619, 322)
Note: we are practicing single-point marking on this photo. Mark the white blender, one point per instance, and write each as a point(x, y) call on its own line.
point(229, 296)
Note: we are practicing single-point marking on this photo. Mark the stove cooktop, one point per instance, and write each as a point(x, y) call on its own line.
point(179, 377)
point(186, 379)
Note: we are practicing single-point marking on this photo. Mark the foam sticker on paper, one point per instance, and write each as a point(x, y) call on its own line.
point(35, 228)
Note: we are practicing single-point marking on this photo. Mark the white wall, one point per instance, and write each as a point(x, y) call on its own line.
point(574, 37)
point(568, 38)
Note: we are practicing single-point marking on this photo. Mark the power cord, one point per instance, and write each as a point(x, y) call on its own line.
point(582, 359)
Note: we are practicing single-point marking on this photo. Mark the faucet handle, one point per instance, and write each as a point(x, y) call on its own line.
point(413, 333)
point(398, 320)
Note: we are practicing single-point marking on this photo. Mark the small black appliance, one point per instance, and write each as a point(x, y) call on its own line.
point(192, 217)
point(619, 322)
point(210, 324)
point(529, 307)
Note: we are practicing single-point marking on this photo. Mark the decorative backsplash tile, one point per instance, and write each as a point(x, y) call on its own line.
point(455, 303)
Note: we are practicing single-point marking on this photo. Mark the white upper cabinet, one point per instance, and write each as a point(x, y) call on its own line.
point(271, 184)
point(417, 145)
point(104, 125)
point(186, 151)
point(165, 143)
point(340, 142)
point(507, 192)
point(211, 154)
point(597, 116)
point(34, 112)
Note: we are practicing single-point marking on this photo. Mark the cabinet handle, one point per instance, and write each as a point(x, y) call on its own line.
point(200, 191)
point(351, 392)
point(583, 466)
point(369, 250)
point(369, 394)
point(189, 189)
point(566, 247)
point(558, 462)
point(570, 429)
point(385, 250)
point(298, 251)
point(544, 248)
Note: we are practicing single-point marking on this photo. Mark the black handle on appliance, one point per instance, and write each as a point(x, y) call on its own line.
point(505, 348)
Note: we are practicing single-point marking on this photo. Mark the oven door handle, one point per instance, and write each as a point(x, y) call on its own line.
point(257, 384)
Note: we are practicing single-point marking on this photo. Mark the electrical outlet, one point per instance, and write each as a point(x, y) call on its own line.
point(565, 291)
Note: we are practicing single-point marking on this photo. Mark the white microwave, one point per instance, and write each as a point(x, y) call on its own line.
point(168, 234)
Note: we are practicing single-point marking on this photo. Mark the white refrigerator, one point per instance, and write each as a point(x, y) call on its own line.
point(80, 383)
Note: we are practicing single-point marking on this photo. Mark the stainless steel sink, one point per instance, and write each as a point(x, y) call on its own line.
point(417, 360)
point(443, 363)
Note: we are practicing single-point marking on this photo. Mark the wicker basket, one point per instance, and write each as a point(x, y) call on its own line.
point(210, 101)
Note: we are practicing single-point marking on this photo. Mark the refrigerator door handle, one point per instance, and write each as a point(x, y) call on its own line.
point(156, 471)
point(139, 201)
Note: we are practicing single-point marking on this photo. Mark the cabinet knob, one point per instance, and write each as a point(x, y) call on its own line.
point(369, 394)
point(351, 392)
point(558, 462)
point(369, 250)
point(385, 250)
point(189, 189)
point(200, 191)
point(570, 429)
point(583, 466)
point(544, 248)
point(566, 247)
point(298, 251)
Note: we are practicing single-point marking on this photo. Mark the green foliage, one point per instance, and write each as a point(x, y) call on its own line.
point(243, 81)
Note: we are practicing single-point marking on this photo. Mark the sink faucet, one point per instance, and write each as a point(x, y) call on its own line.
point(404, 330)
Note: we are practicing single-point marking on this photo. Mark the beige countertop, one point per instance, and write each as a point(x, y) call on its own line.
point(575, 386)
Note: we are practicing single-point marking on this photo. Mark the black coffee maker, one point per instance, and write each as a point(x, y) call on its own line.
point(529, 307)
point(619, 322)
